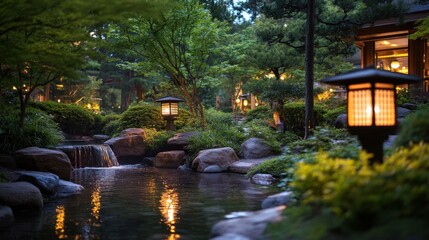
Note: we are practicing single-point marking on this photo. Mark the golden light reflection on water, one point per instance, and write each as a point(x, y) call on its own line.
point(96, 205)
point(59, 223)
point(169, 206)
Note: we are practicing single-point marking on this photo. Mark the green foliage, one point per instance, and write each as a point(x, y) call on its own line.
point(269, 89)
point(295, 115)
point(40, 130)
point(221, 132)
point(414, 128)
point(217, 119)
point(349, 199)
point(278, 167)
point(111, 124)
point(287, 137)
point(261, 113)
point(72, 119)
point(155, 140)
point(331, 115)
point(403, 96)
point(337, 141)
point(260, 129)
point(184, 120)
point(216, 138)
point(142, 115)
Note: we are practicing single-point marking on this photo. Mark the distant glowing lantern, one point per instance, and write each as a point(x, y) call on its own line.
point(395, 64)
point(371, 105)
point(169, 110)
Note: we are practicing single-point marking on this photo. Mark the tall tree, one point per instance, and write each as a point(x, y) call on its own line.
point(183, 43)
point(42, 41)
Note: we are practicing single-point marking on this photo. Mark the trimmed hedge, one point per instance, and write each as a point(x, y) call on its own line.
point(72, 119)
point(295, 115)
point(142, 115)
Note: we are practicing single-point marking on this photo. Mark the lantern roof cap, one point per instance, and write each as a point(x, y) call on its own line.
point(370, 75)
point(169, 99)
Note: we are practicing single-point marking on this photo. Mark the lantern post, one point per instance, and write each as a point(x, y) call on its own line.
point(371, 105)
point(169, 110)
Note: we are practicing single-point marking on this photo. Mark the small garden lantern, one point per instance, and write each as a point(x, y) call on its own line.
point(169, 110)
point(371, 105)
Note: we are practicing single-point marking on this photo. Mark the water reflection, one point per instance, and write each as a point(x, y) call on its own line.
point(96, 205)
point(169, 206)
point(59, 223)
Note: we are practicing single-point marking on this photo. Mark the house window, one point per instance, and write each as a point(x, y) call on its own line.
point(392, 55)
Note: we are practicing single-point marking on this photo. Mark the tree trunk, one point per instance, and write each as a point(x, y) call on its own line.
point(309, 70)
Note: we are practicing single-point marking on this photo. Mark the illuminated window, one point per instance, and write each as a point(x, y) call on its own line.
point(392, 55)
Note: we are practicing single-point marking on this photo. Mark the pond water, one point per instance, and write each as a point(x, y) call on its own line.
point(137, 202)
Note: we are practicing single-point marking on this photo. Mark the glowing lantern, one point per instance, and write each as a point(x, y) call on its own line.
point(169, 110)
point(371, 105)
point(395, 64)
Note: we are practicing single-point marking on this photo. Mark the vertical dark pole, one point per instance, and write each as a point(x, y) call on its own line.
point(309, 69)
point(170, 124)
point(373, 144)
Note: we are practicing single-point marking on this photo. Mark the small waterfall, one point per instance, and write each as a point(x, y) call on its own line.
point(90, 155)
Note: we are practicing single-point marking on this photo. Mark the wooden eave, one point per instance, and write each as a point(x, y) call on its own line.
point(392, 27)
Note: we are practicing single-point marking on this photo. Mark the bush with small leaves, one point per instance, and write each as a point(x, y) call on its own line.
point(39, 130)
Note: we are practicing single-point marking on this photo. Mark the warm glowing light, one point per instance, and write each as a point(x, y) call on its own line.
point(88, 105)
point(59, 100)
point(96, 203)
point(237, 100)
point(59, 223)
point(386, 42)
point(256, 104)
point(169, 205)
point(245, 102)
point(14, 88)
point(169, 109)
point(360, 110)
point(395, 64)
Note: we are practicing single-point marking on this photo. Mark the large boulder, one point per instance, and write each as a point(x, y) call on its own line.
point(130, 143)
point(46, 182)
point(6, 216)
point(341, 121)
point(44, 160)
point(170, 159)
point(251, 226)
point(216, 158)
point(255, 148)
point(21, 196)
point(279, 199)
point(66, 188)
point(180, 140)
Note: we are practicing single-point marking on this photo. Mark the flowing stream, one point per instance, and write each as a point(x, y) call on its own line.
point(138, 202)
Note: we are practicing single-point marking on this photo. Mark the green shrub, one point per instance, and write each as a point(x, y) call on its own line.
point(260, 113)
point(277, 167)
point(415, 128)
point(142, 115)
point(348, 199)
point(295, 115)
point(184, 120)
point(337, 142)
point(111, 124)
point(39, 130)
point(156, 140)
point(217, 119)
point(72, 119)
point(287, 137)
point(224, 137)
point(331, 115)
